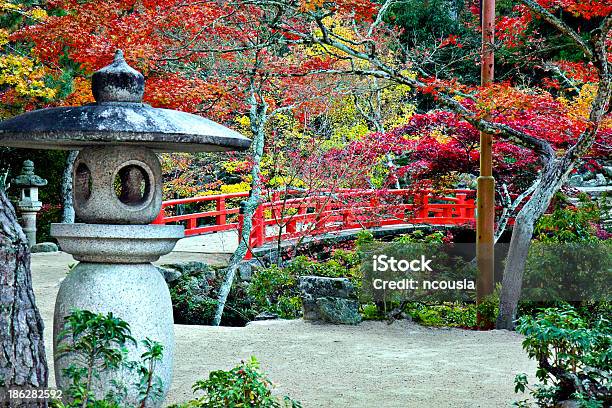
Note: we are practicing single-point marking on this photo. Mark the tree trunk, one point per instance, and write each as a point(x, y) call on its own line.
point(68, 208)
point(551, 181)
point(22, 356)
point(258, 116)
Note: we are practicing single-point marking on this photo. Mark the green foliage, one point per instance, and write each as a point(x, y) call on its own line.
point(364, 237)
point(419, 236)
point(274, 290)
point(574, 356)
point(569, 224)
point(97, 342)
point(443, 315)
point(242, 386)
point(194, 299)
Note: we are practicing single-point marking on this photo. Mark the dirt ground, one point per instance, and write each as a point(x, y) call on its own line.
point(369, 365)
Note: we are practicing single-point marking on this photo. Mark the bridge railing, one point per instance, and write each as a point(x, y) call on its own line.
point(198, 223)
point(295, 213)
point(349, 209)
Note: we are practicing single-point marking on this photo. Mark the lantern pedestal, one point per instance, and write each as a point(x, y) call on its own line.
point(115, 275)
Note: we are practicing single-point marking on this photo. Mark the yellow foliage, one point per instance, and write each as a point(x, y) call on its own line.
point(21, 76)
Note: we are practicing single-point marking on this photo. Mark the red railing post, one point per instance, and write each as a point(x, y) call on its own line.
point(192, 223)
point(259, 226)
point(160, 217)
point(461, 202)
point(221, 218)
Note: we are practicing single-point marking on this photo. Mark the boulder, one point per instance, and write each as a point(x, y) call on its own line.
point(246, 269)
point(331, 300)
point(170, 275)
point(576, 180)
point(317, 286)
point(338, 311)
point(192, 268)
point(44, 247)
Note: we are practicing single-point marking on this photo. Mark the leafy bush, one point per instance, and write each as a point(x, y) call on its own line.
point(194, 299)
point(98, 342)
point(274, 290)
point(242, 386)
point(574, 358)
point(569, 223)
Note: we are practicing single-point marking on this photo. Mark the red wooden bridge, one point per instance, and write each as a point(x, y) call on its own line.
point(290, 215)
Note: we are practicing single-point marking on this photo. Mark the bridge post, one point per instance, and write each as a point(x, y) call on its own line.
point(221, 218)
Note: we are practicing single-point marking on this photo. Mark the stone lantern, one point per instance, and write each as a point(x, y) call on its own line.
point(29, 204)
point(117, 189)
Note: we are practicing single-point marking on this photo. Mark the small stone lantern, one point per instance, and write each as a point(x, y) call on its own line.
point(117, 187)
point(29, 205)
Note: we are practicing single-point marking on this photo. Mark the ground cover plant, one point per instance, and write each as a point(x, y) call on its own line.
point(574, 358)
point(242, 386)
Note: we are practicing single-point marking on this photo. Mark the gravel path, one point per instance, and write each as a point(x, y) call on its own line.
point(370, 365)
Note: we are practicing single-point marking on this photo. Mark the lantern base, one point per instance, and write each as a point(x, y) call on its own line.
point(136, 293)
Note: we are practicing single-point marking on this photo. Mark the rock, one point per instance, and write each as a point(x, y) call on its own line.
point(576, 180)
point(192, 268)
point(170, 275)
point(266, 316)
point(317, 286)
point(600, 179)
point(568, 404)
point(332, 300)
point(338, 311)
point(246, 269)
point(44, 247)
point(607, 171)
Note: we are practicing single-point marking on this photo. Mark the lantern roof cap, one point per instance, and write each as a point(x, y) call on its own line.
point(118, 117)
point(27, 178)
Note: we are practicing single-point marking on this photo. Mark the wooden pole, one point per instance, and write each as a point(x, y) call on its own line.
point(485, 221)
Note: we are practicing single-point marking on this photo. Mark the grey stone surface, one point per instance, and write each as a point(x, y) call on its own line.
point(27, 178)
point(192, 267)
point(600, 179)
point(44, 247)
point(266, 316)
point(170, 275)
point(134, 293)
point(117, 185)
point(117, 82)
point(607, 170)
point(116, 243)
point(246, 269)
point(576, 180)
point(332, 300)
point(338, 311)
point(318, 286)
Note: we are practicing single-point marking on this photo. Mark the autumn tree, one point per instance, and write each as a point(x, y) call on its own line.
point(526, 116)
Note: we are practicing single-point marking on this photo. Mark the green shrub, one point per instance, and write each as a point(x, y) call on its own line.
point(274, 289)
point(569, 224)
point(242, 386)
point(194, 299)
point(99, 342)
point(574, 357)
point(443, 315)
